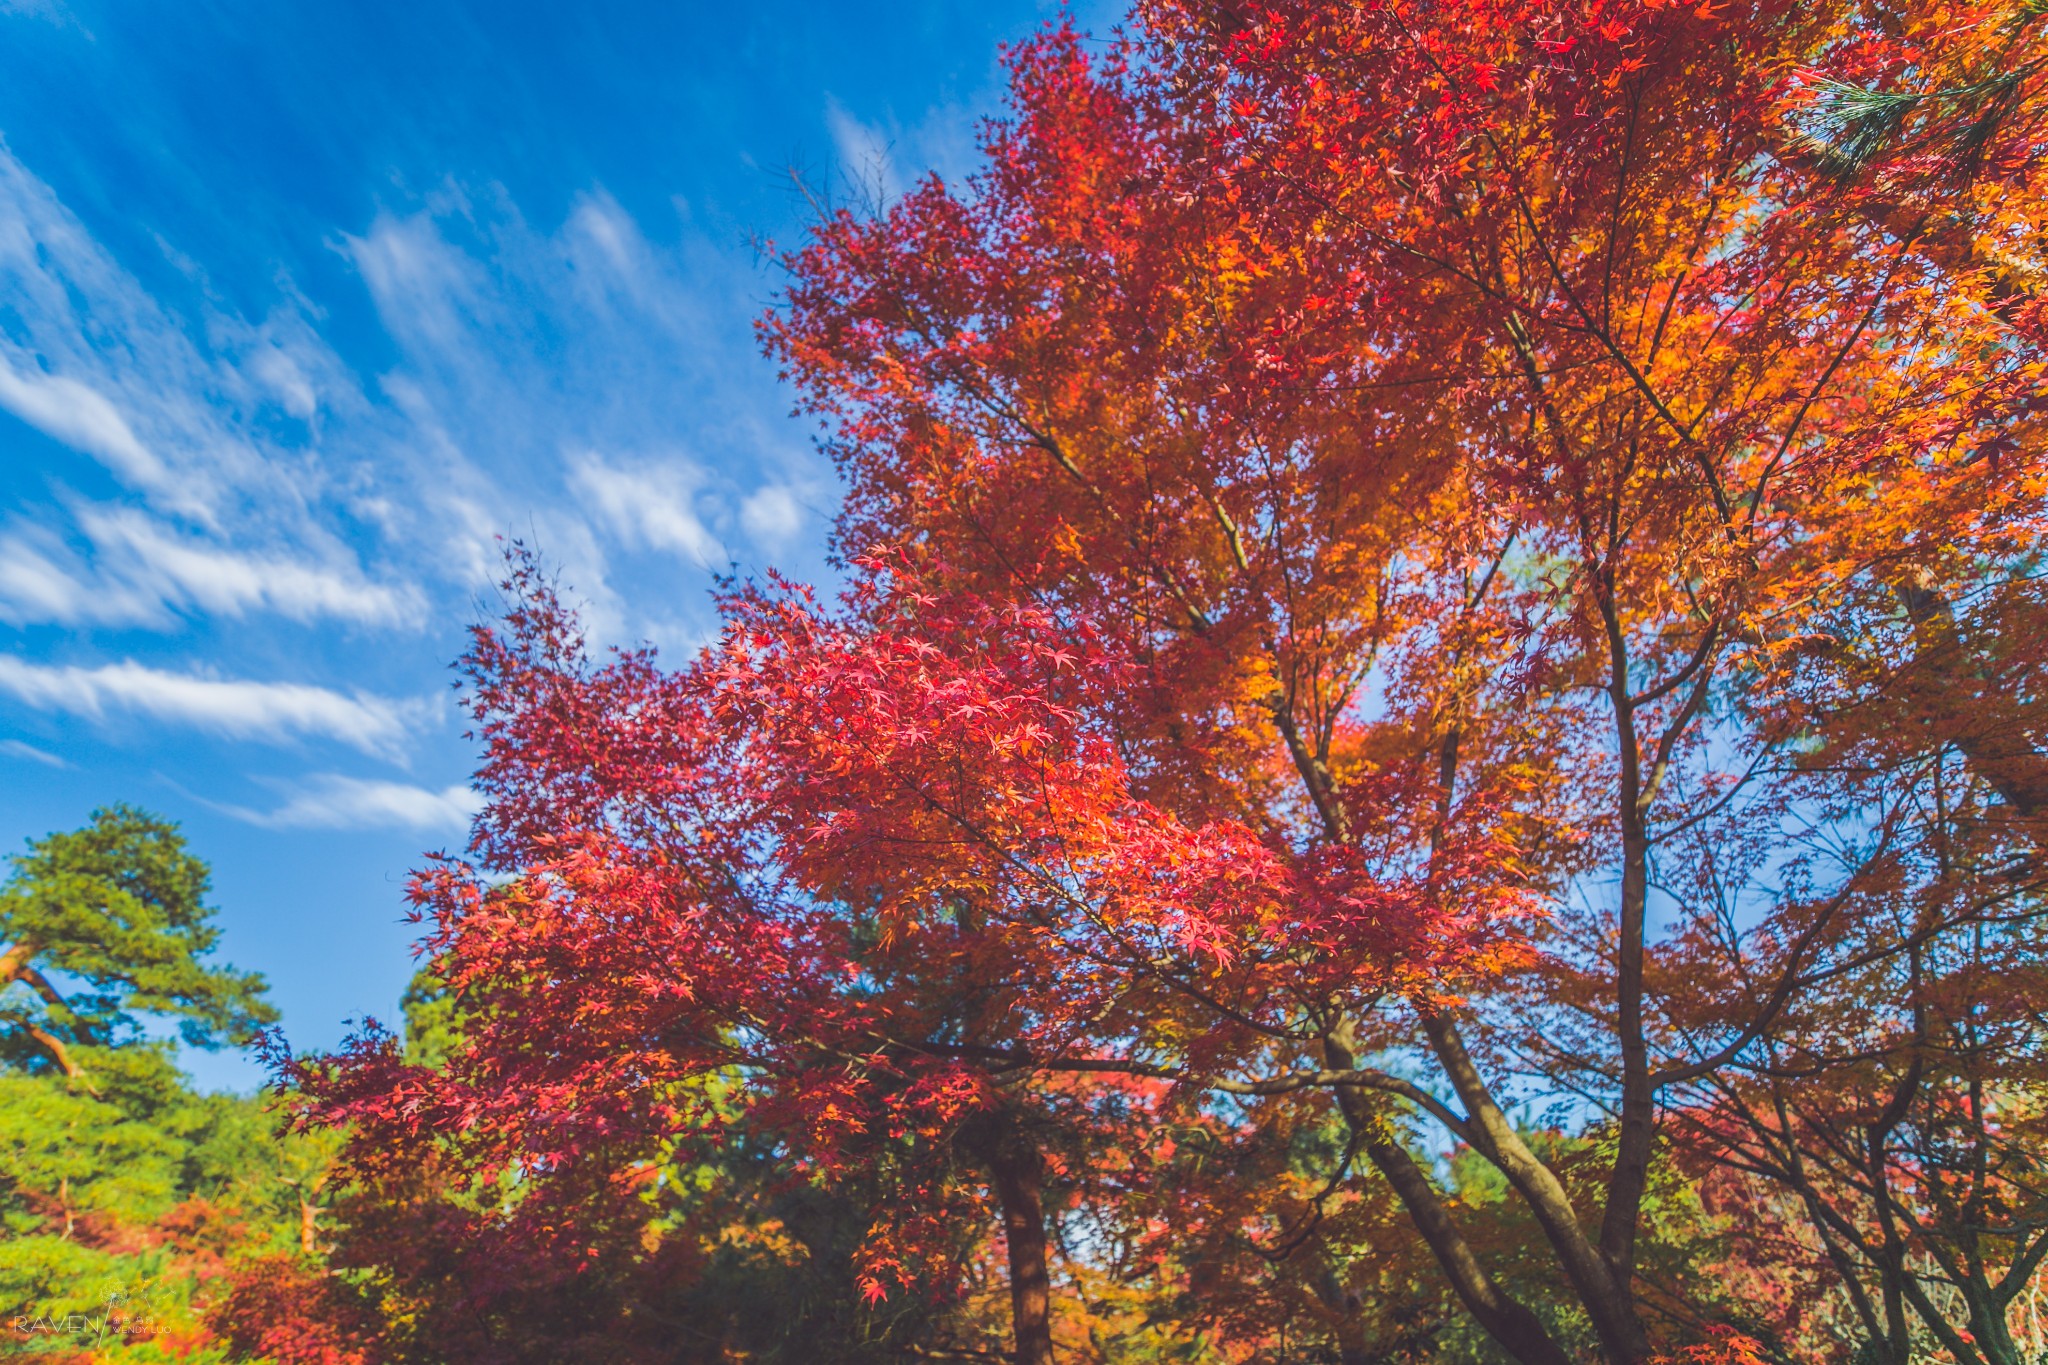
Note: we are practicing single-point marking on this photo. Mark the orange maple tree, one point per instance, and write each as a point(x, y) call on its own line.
point(1410, 557)
point(1511, 414)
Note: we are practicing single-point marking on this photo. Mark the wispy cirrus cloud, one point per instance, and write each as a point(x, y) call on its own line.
point(652, 504)
point(48, 10)
point(528, 350)
point(865, 153)
point(332, 801)
point(81, 417)
point(233, 708)
point(141, 571)
point(879, 158)
point(431, 296)
point(231, 499)
point(775, 514)
point(15, 748)
point(224, 581)
point(261, 476)
point(94, 362)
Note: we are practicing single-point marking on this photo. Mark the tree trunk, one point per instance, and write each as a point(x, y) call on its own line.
point(1608, 1300)
point(1512, 1326)
point(1016, 1175)
point(1347, 1320)
point(1636, 1127)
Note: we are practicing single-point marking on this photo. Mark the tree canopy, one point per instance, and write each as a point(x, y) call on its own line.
point(1433, 743)
point(116, 912)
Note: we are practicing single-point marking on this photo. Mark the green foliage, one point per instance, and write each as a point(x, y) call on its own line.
point(1849, 128)
point(125, 1197)
point(95, 1159)
point(136, 1200)
point(109, 923)
point(433, 1019)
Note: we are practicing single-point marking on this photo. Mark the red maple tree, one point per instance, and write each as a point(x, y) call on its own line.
point(1416, 556)
point(882, 870)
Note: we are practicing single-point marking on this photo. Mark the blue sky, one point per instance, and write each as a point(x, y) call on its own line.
point(302, 305)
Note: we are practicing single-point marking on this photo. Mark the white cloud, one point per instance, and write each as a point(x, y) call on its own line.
point(544, 378)
point(428, 293)
point(286, 484)
point(879, 159)
point(276, 369)
point(601, 234)
point(653, 504)
point(330, 801)
point(234, 708)
point(864, 153)
point(92, 360)
point(79, 416)
point(224, 581)
point(40, 580)
point(772, 516)
point(48, 10)
point(142, 571)
point(16, 749)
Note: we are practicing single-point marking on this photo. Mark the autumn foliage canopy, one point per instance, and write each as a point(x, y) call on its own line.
point(1438, 598)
